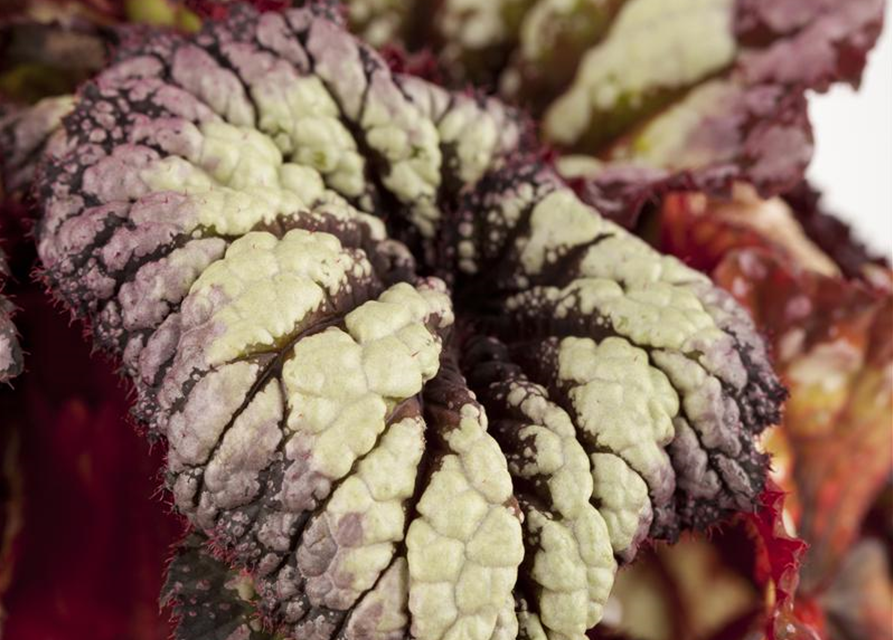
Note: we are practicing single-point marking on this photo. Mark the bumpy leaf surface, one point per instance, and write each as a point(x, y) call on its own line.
point(261, 222)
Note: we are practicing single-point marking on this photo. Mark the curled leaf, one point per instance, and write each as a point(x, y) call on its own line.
point(826, 305)
point(703, 230)
point(250, 219)
point(830, 233)
point(830, 340)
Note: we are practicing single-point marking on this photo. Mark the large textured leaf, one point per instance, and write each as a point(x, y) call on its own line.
point(260, 222)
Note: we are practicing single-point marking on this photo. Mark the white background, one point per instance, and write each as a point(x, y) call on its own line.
point(853, 163)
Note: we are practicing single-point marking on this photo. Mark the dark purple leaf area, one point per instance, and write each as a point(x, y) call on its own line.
point(830, 233)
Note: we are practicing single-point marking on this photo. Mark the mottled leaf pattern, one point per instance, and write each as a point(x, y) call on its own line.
point(261, 220)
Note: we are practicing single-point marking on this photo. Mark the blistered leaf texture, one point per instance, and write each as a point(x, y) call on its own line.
point(411, 384)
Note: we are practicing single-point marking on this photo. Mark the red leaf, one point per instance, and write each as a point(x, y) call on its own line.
point(90, 558)
point(779, 555)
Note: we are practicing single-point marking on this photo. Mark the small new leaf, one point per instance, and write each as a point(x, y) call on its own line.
point(210, 601)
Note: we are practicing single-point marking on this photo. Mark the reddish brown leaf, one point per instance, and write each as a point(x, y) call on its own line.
point(834, 346)
point(95, 535)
